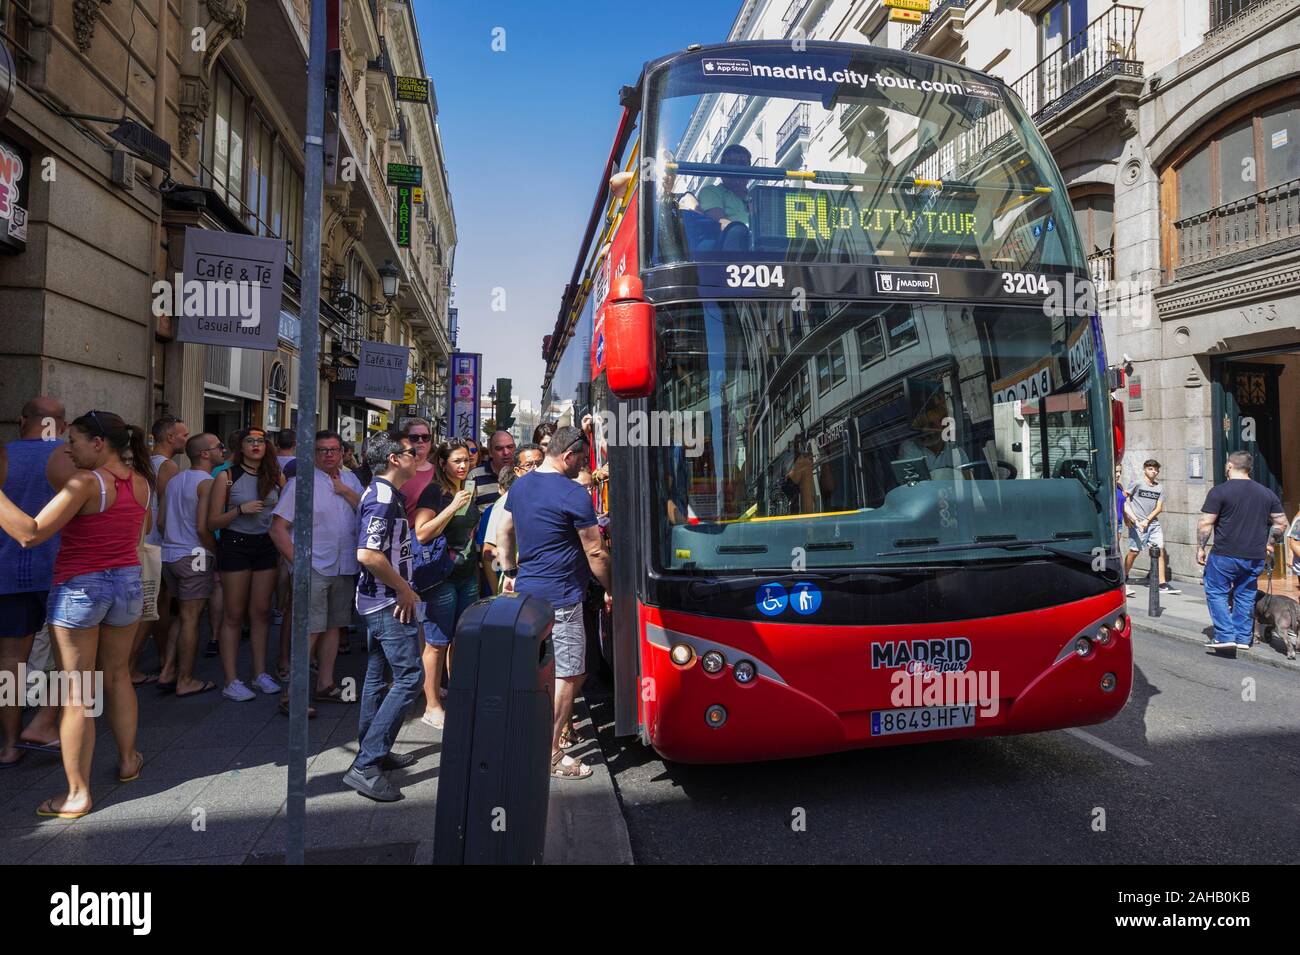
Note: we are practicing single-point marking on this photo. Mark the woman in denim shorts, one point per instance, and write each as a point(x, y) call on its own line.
point(248, 564)
point(96, 597)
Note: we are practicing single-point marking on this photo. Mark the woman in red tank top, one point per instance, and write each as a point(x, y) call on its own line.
point(96, 597)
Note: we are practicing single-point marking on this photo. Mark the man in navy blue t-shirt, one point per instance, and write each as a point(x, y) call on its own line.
point(390, 607)
point(1243, 515)
point(551, 517)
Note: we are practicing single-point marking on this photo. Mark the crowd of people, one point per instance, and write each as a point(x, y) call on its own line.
point(115, 536)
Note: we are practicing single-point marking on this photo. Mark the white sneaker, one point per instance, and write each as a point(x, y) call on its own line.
point(266, 684)
point(235, 690)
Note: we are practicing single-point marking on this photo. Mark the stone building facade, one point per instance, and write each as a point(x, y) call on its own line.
point(223, 84)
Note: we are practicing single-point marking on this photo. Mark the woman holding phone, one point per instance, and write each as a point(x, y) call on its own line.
point(446, 508)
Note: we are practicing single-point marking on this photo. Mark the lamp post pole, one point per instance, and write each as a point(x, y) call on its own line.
point(309, 349)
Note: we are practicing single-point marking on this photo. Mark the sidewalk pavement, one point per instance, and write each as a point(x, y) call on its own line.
point(214, 785)
point(1185, 616)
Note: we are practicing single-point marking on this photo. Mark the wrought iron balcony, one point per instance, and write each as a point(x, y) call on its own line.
point(1105, 47)
point(737, 107)
point(718, 145)
point(918, 34)
point(1223, 12)
point(794, 11)
point(1267, 223)
point(795, 126)
point(1101, 268)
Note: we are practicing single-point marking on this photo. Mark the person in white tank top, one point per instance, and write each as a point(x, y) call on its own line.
point(189, 558)
point(169, 436)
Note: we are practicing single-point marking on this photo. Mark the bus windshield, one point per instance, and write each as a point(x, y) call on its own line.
point(847, 156)
point(856, 434)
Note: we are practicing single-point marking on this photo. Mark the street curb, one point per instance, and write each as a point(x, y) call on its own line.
point(584, 821)
point(1268, 657)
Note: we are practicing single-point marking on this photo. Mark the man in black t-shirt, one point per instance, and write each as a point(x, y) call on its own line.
point(1244, 516)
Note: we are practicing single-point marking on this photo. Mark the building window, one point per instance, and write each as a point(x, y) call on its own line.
point(277, 397)
point(1236, 187)
point(830, 368)
point(1061, 21)
point(1095, 217)
point(900, 329)
point(871, 343)
point(244, 162)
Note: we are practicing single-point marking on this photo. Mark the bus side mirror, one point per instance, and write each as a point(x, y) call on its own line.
point(629, 339)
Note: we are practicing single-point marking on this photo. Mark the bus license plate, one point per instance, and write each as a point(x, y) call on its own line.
point(921, 719)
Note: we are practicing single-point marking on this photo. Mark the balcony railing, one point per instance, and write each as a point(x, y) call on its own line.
point(1101, 268)
point(719, 143)
point(916, 35)
point(737, 107)
point(795, 125)
point(1105, 47)
point(1223, 11)
point(794, 11)
point(1247, 229)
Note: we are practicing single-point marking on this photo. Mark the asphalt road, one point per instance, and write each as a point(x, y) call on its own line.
point(1188, 772)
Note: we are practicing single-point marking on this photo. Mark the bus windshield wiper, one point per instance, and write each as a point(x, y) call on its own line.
point(999, 543)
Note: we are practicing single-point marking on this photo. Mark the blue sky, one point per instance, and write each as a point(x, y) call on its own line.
point(526, 132)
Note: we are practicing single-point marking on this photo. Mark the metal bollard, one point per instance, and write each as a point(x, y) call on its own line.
point(1153, 583)
point(494, 779)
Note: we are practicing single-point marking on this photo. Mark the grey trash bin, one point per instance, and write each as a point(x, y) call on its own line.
point(494, 777)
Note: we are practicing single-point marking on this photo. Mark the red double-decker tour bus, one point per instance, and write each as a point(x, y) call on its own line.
point(832, 319)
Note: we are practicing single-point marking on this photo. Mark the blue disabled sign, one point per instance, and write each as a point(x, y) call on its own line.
point(771, 599)
point(805, 598)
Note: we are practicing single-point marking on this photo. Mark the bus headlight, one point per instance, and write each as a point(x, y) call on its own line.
point(715, 715)
point(713, 662)
point(744, 671)
point(682, 654)
point(1121, 622)
point(1103, 636)
point(1083, 646)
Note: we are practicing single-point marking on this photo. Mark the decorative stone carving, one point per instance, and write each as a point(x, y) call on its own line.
point(1131, 172)
point(1124, 116)
point(194, 104)
point(230, 17)
point(85, 14)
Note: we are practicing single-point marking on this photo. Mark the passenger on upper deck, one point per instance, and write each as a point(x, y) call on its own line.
point(725, 202)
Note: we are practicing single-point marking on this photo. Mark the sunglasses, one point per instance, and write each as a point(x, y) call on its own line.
point(329, 450)
point(410, 451)
point(419, 438)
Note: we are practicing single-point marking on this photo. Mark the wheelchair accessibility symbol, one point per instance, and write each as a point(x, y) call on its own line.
point(771, 599)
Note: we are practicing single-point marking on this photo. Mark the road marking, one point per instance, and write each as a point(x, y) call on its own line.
point(1108, 747)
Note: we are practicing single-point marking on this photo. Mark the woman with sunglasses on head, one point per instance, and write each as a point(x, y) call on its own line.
point(420, 434)
point(247, 561)
point(97, 596)
point(446, 509)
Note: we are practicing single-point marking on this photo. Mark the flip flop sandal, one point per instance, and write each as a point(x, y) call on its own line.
point(208, 685)
point(134, 777)
point(574, 769)
point(47, 809)
point(51, 747)
point(148, 678)
point(14, 762)
point(284, 674)
point(332, 694)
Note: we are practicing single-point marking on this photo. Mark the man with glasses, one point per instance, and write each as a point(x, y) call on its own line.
point(392, 611)
point(333, 556)
point(189, 557)
point(560, 549)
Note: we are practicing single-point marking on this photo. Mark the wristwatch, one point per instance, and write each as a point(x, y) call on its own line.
point(511, 573)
